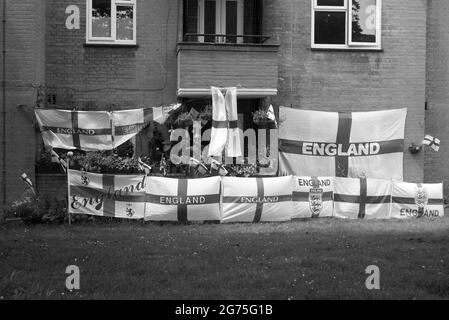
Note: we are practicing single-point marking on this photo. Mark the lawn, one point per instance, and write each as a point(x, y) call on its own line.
point(319, 259)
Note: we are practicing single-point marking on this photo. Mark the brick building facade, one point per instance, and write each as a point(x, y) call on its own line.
point(170, 62)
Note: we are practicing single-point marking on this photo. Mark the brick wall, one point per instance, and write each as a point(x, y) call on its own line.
point(122, 77)
point(25, 54)
point(437, 93)
point(355, 81)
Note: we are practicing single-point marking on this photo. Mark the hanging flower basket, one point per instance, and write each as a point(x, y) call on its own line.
point(260, 118)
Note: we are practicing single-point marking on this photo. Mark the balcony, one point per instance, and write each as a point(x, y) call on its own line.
point(245, 62)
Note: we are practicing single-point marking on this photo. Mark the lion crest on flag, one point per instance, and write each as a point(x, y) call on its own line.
point(129, 211)
point(421, 198)
point(85, 179)
point(316, 201)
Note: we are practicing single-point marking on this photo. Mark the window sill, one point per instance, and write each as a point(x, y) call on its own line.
point(349, 49)
point(111, 45)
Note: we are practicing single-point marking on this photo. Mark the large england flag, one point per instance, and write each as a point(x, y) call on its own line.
point(83, 130)
point(257, 199)
point(313, 197)
point(183, 200)
point(342, 144)
point(416, 200)
point(128, 123)
point(107, 195)
point(362, 198)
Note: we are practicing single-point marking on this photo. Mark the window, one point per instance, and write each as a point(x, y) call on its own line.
point(111, 22)
point(223, 21)
point(346, 24)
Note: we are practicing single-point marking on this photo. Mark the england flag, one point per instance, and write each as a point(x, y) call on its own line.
point(183, 200)
point(362, 198)
point(107, 195)
point(417, 200)
point(313, 197)
point(82, 130)
point(342, 144)
point(257, 199)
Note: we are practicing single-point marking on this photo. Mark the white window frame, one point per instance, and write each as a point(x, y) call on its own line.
point(349, 44)
point(113, 38)
point(220, 19)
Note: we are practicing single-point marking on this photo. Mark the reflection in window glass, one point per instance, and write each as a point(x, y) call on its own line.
point(330, 27)
point(125, 27)
point(331, 3)
point(364, 21)
point(101, 18)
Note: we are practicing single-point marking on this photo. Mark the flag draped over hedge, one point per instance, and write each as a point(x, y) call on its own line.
point(313, 197)
point(183, 199)
point(257, 199)
point(412, 200)
point(342, 144)
point(107, 195)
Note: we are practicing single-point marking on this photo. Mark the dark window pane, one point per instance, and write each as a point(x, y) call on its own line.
point(191, 19)
point(364, 21)
point(252, 20)
point(330, 27)
point(209, 20)
point(101, 18)
point(331, 3)
point(231, 20)
point(125, 23)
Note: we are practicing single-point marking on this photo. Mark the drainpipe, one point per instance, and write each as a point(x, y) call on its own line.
point(4, 109)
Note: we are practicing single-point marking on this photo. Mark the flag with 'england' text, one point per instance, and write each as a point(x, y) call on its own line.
point(313, 197)
point(82, 130)
point(257, 199)
point(342, 144)
point(183, 200)
point(117, 196)
point(417, 200)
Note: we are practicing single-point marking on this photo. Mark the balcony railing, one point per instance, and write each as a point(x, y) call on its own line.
point(225, 38)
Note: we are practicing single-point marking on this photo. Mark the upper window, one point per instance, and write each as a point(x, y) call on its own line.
point(346, 24)
point(111, 21)
point(223, 21)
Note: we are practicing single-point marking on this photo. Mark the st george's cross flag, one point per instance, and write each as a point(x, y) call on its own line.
point(362, 198)
point(313, 197)
point(96, 130)
point(128, 123)
point(225, 133)
point(82, 130)
point(257, 199)
point(342, 144)
point(107, 195)
point(183, 200)
point(432, 142)
point(412, 200)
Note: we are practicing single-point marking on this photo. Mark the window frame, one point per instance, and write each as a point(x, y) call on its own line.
point(112, 40)
point(220, 19)
point(349, 44)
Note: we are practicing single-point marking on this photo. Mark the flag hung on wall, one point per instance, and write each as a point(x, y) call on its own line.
point(83, 130)
point(411, 200)
point(313, 197)
point(107, 195)
point(96, 130)
point(342, 144)
point(183, 200)
point(362, 198)
point(257, 199)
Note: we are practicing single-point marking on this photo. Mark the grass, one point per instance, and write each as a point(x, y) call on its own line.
point(319, 259)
